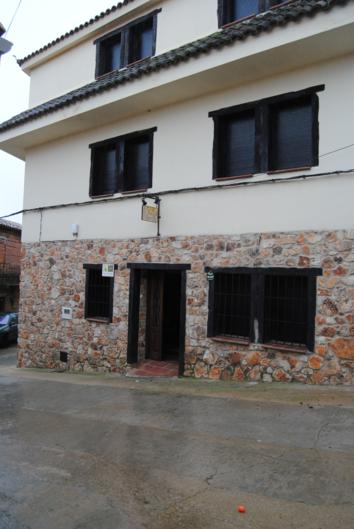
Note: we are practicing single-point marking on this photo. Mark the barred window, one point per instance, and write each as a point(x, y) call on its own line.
point(98, 294)
point(264, 305)
point(232, 306)
point(285, 308)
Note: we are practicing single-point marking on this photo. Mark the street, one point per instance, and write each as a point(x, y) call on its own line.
point(107, 452)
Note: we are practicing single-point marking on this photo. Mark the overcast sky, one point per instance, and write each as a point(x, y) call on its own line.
point(37, 22)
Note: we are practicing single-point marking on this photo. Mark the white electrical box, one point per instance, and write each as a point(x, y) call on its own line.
point(66, 313)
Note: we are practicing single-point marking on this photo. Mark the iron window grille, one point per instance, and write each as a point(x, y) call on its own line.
point(232, 10)
point(122, 164)
point(98, 294)
point(264, 305)
point(131, 43)
point(274, 134)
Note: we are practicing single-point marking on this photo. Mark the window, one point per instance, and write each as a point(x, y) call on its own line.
point(236, 137)
point(122, 164)
point(264, 305)
point(285, 308)
point(131, 43)
point(291, 131)
point(232, 304)
point(273, 134)
point(98, 294)
point(232, 10)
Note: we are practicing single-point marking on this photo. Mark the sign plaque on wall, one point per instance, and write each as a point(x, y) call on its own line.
point(108, 270)
point(149, 213)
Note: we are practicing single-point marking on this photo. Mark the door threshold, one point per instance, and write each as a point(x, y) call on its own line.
point(154, 368)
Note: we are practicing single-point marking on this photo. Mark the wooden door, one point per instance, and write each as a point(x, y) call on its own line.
point(154, 320)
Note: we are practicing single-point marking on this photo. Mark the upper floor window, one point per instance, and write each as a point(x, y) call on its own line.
point(122, 164)
point(131, 43)
point(274, 134)
point(232, 10)
point(264, 305)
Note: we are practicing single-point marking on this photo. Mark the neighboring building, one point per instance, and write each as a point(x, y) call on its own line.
point(5, 45)
point(10, 255)
point(240, 129)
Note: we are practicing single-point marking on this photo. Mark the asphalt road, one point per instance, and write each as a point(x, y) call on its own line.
point(103, 452)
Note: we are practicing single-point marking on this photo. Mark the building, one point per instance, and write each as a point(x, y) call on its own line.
point(10, 255)
point(5, 45)
point(232, 126)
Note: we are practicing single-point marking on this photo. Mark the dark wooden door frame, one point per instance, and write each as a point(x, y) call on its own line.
point(134, 305)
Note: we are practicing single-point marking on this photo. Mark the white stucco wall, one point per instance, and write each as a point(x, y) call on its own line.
point(58, 172)
point(179, 22)
point(319, 204)
point(63, 73)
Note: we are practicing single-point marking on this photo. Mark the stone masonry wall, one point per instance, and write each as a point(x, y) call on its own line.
point(53, 276)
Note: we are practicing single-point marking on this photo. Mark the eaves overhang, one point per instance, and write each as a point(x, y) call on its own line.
point(220, 64)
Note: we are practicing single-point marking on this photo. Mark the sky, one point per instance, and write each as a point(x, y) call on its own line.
point(37, 22)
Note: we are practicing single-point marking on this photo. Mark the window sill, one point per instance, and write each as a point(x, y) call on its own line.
point(286, 348)
point(290, 170)
point(230, 339)
point(277, 346)
point(134, 191)
point(129, 65)
point(237, 21)
point(138, 61)
point(107, 74)
point(102, 196)
point(99, 320)
point(238, 177)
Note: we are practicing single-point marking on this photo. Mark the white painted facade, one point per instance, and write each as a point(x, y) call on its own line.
point(179, 22)
point(319, 50)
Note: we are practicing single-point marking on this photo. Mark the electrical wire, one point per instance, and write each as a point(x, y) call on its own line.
point(13, 17)
point(337, 150)
point(248, 183)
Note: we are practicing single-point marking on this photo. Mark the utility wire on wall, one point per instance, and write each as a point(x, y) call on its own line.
point(247, 183)
point(13, 17)
point(337, 150)
point(204, 188)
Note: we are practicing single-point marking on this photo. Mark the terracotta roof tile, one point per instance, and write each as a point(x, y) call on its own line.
point(282, 15)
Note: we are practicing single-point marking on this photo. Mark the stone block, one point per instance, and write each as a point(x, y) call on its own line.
point(343, 348)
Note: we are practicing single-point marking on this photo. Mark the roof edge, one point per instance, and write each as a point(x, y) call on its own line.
point(254, 26)
point(73, 31)
point(10, 225)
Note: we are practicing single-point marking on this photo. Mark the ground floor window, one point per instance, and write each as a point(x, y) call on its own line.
point(98, 294)
point(264, 305)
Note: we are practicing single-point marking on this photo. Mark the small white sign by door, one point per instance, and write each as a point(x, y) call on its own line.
point(108, 270)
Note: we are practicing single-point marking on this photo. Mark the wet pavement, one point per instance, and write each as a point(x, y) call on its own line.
point(106, 452)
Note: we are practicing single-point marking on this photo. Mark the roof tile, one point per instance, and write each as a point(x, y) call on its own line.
point(238, 31)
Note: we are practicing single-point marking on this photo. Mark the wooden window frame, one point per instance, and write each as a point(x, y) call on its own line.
point(123, 34)
point(257, 302)
point(224, 10)
point(120, 144)
point(262, 109)
point(89, 317)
